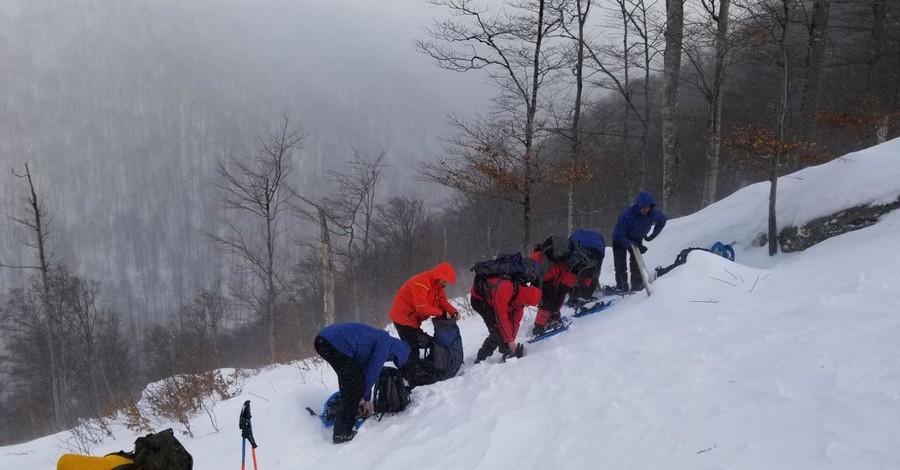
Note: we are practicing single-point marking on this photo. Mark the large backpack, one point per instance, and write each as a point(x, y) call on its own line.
point(443, 358)
point(391, 393)
point(446, 354)
point(587, 250)
point(555, 248)
point(512, 266)
point(158, 451)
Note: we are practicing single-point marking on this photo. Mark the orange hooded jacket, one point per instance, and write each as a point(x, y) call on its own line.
point(422, 296)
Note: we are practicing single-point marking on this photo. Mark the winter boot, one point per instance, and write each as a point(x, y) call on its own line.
point(344, 437)
point(538, 330)
point(554, 322)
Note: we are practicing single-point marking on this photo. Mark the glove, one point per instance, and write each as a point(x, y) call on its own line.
point(451, 315)
point(520, 350)
point(642, 248)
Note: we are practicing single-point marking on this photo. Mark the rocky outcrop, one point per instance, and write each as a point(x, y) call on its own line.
point(800, 238)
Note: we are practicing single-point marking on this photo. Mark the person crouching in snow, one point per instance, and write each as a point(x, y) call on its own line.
point(357, 352)
point(501, 307)
point(420, 298)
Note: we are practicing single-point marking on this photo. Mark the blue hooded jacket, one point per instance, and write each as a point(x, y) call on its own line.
point(632, 227)
point(367, 346)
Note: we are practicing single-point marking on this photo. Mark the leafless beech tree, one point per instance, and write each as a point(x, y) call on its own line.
point(613, 63)
point(671, 73)
point(573, 20)
point(509, 43)
point(257, 189)
point(710, 33)
point(351, 211)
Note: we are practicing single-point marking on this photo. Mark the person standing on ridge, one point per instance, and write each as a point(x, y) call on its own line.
point(631, 229)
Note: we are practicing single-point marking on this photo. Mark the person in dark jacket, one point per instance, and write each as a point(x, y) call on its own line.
point(502, 308)
point(631, 229)
point(357, 352)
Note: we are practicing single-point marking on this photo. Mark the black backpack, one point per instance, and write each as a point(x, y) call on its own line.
point(391, 393)
point(158, 451)
point(513, 266)
point(555, 248)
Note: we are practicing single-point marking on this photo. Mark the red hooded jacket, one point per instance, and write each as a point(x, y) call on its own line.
point(422, 296)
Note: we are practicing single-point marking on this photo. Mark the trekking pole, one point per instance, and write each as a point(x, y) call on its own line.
point(247, 435)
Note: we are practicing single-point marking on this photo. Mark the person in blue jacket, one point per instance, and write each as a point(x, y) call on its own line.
point(357, 352)
point(632, 227)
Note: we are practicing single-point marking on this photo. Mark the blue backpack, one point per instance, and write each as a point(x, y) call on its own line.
point(443, 358)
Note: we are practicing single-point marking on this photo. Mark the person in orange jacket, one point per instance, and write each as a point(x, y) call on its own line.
point(420, 298)
point(502, 307)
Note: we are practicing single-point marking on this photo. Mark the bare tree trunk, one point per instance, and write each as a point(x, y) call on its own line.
point(878, 69)
point(630, 179)
point(576, 117)
point(815, 62)
point(270, 287)
point(714, 115)
point(782, 131)
point(51, 320)
point(672, 70)
point(327, 269)
point(530, 155)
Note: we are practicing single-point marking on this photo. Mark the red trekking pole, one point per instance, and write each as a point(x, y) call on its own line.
point(247, 435)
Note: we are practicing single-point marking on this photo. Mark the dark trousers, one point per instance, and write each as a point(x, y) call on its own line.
point(351, 383)
point(414, 337)
point(493, 341)
point(619, 257)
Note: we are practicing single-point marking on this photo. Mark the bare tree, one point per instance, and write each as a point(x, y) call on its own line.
point(882, 72)
point(401, 224)
point(209, 310)
point(715, 25)
point(351, 211)
point(510, 45)
point(817, 49)
point(258, 188)
point(615, 65)
point(35, 220)
point(574, 15)
point(89, 320)
point(671, 73)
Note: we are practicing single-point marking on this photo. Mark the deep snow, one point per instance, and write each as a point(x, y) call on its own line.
point(766, 363)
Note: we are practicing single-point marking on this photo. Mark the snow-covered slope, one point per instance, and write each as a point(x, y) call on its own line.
point(788, 362)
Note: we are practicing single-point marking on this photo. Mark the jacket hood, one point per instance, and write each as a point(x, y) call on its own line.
point(444, 272)
point(529, 295)
point(644, 199)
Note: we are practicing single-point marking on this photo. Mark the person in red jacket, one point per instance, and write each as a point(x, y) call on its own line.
point(501, 307)
point(420, 298)
point(555, 282)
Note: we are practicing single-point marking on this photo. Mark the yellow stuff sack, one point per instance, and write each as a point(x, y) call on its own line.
point(86, 462)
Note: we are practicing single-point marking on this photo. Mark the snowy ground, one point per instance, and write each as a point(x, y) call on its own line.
point(789, 362)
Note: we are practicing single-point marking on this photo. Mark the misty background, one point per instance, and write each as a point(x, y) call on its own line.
point(122, 108)
point(217, 180)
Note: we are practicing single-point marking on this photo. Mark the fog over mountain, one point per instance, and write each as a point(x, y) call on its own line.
point(122, 108)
